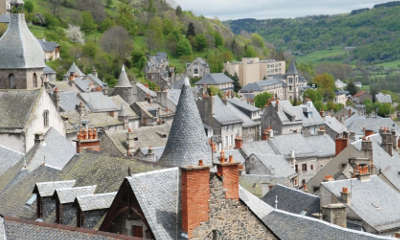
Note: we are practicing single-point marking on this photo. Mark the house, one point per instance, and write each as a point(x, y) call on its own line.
point(22, 57)
point(361, 96)
point(81, 82)
point(251, 111)
point(333, 126)
point(358, 124)
point(341, 97)
point(198, 68)
point(217, 80)
point(51, 50)
point(358, 84)
point(251, 70)
point(251, 130)
point(29, 112)
point(157, 70)
point(339, 84)
point(383, 98)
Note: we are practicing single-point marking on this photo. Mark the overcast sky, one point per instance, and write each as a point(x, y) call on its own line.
point(262, 9)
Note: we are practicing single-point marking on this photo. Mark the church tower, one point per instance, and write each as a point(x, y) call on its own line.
point(292, 82)
point(21, 56)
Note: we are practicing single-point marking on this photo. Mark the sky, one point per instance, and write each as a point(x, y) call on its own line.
point(265, 9)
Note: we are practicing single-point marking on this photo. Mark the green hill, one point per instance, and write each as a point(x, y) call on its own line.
point(107, 33)
point(372, 35)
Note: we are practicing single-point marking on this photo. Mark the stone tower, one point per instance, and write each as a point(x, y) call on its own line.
point(292, 82)
point(124, 87)
point(21, 55)
point(187, 142)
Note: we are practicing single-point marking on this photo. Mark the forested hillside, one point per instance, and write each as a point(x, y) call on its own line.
point(373, 32)
point(107, 33)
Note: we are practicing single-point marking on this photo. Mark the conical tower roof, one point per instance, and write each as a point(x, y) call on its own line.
point(123, 80)
point(187, 142)
point(75, 69)
point(19, 48)
point(292, 68)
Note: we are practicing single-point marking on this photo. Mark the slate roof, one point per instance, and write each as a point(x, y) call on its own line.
point(287, 113)
point(98, 102)
point(323, 145)
point(95, 201)
point(119, 101)
point(55, 152)
point(277, 165)
point(75, 69)
point(383, 98)
point(285, 144)
point(123, 80)
point(157, 193)
point(373, 200)
point(243, 105)
point(292, 70)
point(223, 114)
point(96, 80)
point(146, 90)
point(259, 147)
point(68, 195)
point(173, 96)
point(69, 101)
point(263, 84)
point(311, 116)
point(16, 106)
point(293, 200)
point(334, 124)
point(187, 142)
point(48, 70)
point(48, 46)
point(214, 79)
point(17, 229)
point(19, 48)
point(357, 123)
point(8, 158)
point(46, 189)
point(247, 122)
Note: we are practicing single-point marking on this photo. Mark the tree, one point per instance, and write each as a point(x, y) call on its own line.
point(257, 40)
point(384, 109)
point(75, 35)
point(235, 78)
point(214, 91)
point(178, 11)
point(154, 34)
point(138, 59)
point(28, 6)
point(88, 24)
point(262, 99)
point(351, 87)
point(326, 85)
point(313, 95)
point(191, 32)
point(200, 42)
point(218, 39)
point(250, 51)
point(121, 48)
point(183, 47)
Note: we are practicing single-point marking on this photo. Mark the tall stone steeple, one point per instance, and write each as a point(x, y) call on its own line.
point(187, 142)
point(21, 55)
point(124, 87)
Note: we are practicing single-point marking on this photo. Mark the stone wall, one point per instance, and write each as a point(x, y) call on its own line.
point(229, 219)
point(92, 218)
point(23, 78)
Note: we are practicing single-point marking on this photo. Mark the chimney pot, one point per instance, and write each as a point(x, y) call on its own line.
point(201, 163)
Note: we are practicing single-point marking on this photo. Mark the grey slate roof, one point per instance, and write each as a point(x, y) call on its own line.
point(146, 90)
point(96, 201)
point(288, 114)
point(383, 98)
point(48, 70)
point(334, 124)
point(247, 122)
point(48, 46)
point(75, 69)
point(68, 101)
point(285, 144)
point(68, 195)
point(16, 106)
point(277, 165)
point(223, 114)
point(19, 49)
point(293, 200)
point(261, 85)
point(323, 145)
point(56, 151)
point(243, 105)
point(187, 142)
point(311, 116)
point(8, 158)
point(46, 189)
point(292, 70)
point(96, 80)
point(214, 79)
point(173, 96)
point(123, 80)
point(157, 193)
point(98, 102)
point(357, 123)
point(373, 200)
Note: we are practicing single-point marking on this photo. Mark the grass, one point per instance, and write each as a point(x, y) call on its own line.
point(393, 64)
point(323, 55)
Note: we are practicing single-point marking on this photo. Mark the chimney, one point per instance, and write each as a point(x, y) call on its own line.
point(57, 98)
point(132, 143)
point(39, 138)
point(71, 78)
point(229, 171)
point(321, 131)
point(328, 178)
point(368, 132)
point(238, 142)
point(81, 109)
point(394, 139)
point(387, 141)
point(162, 98)
point(352, 136)
point(341, 143)
point(267, 134)
point(322, 113)
point(345, 195)
point(87, 139)
point(362, 172)
point(94, 72)
point(195, 193)
point(335, 213)
point(397, 235)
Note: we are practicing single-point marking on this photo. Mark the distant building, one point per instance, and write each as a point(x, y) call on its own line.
point(197, 69)
point(51, 50)
point(341, 97)
point(157, 70)
point(251, 70)
point(383, 98)
point(218, 80)
point(340, 84)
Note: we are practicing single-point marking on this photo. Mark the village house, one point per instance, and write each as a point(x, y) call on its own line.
point(157, 70)
point(197, 69)
point(217, 80)
point(51, 50)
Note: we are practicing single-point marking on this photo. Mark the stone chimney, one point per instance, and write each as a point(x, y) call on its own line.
point(94, 72)
point(321, 131)
point(341, 143)
point(394, 139)
point(238, 142)
point(39, 138)
point(267, 134)
point(132, 142)
point(87, 139)
point(229, 171)
point(345, 195)
point(387, 141)
point(335, 213)
point(57, 98)
point(162, 98)
point(195, 194)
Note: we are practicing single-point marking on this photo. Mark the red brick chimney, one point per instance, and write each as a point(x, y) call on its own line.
point(229, 171)
point(195, 193)
point(87, 139)
point(341, 144)
point(368, 132)
point(266, 134)
point(238, 142)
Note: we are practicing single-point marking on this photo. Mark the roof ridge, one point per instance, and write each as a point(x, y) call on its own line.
point(151, 172)
point(297, 190)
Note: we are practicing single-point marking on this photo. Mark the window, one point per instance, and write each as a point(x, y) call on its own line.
point(304, 167)
point(296, 167)
point(303, 182)
point(312, 167)
point(46, 118)
point(137, 231)
point(11, 81)
point(196, 71)
point(35, 81)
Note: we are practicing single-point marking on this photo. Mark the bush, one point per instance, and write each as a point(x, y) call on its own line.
point(183, 47)
point(262, 99)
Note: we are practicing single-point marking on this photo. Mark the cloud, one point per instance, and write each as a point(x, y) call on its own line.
point(234, 9)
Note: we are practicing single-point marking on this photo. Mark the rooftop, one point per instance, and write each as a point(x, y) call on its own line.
point(214, 79)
